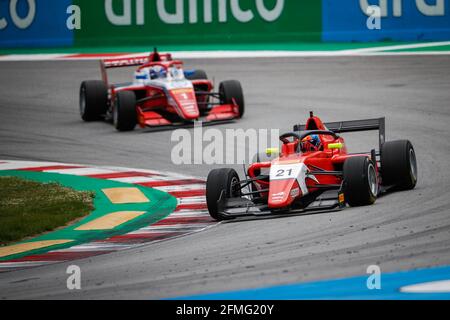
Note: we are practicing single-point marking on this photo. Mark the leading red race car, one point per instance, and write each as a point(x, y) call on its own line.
point(314, 171)
point(161, 94)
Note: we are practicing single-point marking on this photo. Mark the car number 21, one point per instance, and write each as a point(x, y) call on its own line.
point(283, 173)
point(278, 172)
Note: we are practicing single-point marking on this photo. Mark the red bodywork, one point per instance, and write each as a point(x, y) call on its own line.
point(159, 104)
point(292, 173)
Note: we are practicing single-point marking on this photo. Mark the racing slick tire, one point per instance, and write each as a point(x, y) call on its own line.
point(93, 100)
point(220, 180)
point(200, 75)
point(232, 89)
point(124, 112)
point(360, 181)
point(399, 164)
point(197, 75)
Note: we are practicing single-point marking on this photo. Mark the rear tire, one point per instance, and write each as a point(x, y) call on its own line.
point(398, 164)
point(93, 100)
point(230, 90)
point(360, 181)
point(220, 180)
point(198, 75)
point(124, 112)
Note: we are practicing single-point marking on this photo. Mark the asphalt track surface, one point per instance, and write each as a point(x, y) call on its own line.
point(39, 120)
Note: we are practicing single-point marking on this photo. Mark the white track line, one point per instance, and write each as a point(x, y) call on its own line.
point(192, 200)
point(398, 47)
point(26, 164)
point(32, 57)
point(168, 228)
point(173, 175)
point(125, 169)
point(24, 264)
point(94, 246)
point(191, 211)
point(81, 171)
point(372, 51)
point(182, 213)
point(187, 187)
point(135, 179)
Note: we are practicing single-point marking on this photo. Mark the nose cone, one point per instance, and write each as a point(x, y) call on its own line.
point(280, 193)
point(287, 182)
point(186, 102)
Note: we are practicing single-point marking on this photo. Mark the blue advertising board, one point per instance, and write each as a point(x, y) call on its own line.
point(34, 23)
point(400, 20)
point(43, 23)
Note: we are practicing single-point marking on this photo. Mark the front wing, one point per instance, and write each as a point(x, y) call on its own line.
point(241, 206)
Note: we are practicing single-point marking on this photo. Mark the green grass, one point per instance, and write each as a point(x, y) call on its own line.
point(29, 208)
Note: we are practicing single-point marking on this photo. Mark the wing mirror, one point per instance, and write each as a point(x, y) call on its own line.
point(337, 145)
point(272, 151)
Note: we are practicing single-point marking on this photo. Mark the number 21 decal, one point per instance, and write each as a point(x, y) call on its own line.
point(282, 172)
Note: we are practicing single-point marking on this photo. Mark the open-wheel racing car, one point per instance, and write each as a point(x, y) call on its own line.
point(313, 171)
point(161, 94)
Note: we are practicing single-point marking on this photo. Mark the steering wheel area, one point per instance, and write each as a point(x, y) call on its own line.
point(303, 134)
point(285, 137)
point(299, 136)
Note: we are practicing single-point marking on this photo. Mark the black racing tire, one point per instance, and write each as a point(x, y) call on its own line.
point(198, 75)
point(232, 89)
point(124, 111)
point(360, 181)
point(93, 100)
point(220, 180)
point(399, 164)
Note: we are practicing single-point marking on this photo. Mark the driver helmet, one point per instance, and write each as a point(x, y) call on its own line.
point(311, 143)
point(176, 73)
point(157, 72)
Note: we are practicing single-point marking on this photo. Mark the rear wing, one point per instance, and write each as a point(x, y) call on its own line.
point(125, 62)
point(131, 61)
point(354, 126)
point(121, 62)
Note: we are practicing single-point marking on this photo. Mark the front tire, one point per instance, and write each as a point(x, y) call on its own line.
point(124, 112)
point(232, 90)
point(218, 181)
point(93, 100)
point(197, 75)
point(399, 164)
point(360, 181)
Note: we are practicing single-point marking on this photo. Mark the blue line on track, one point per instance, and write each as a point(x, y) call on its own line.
point(354, 288)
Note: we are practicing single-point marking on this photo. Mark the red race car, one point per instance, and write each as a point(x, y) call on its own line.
point(161, 94)
point(313, 171)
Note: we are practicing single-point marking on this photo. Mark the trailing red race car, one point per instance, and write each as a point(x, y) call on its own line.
point(313, 171)
point(161, 94)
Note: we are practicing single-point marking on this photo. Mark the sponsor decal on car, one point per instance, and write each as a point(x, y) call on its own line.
point(278, 196)
point(295, 192)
